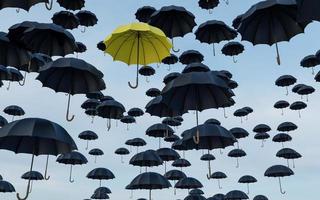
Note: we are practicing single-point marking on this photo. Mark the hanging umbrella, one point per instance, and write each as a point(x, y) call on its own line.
point(96, 152)
point(188, 183)
point(88, 135)
point(232, 49)
point(298, 105)
point(101, 46)
point(208, 4)
point(260, 197)
point(94, 95)
point(217, 197)
point(237, 21)
point(308, 10)
point(170, 60)
point(270, 22)
point(190, 56)
point(261, 136)
point(100, 174)
point(136, 142)
point(38, 137)
point(305, 90)
point(135, 112)
point(288, 154)
point(147, 71)
point(214, 31)
point(100, 195)
point(181, 163)
point(174, 175)
point(153, 92)
point(287, 127)
point(86, 19)
point(149, 181)
point(122, 152)
point(317, 77)
point(181, 21)
point(110, 109)
point(247, 179)
point(167, 154)
point(90, 104)
point(171, 76)
point(279, 171)
point(81, 48)
point(239, 133)
point(261, 128)
point(213, 121)
point(5, 187)
point(156, 107)
point(282, 137)
point(66, 19)
point(72, 158)
point(13, 76)
point(236, 195)
point(25, 4)
point(3, 121)
point(218, 175)
point(240, 113)
point(194, 197)
point(285, 81)
point(128, 120)
point(310, 62)
point(208, 157)
point(159, 131)
point(71, 5)
point(172, 138)
point(33, 176)
point(67, 75)
point(91, 112)
point(102, 190)
point(144, 13)
point(281, 105)
point(195, 67)
point(14, 110)
point(196, 192)
point(137, 43)
point(237, 153)
point(148, 158)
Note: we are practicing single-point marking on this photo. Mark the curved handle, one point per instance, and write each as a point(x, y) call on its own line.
point(281, 190)
point(83, 30)
point(248, 189)
point(29, 182)
point(219, 185)
point(46, 170)
point(17, 10)
point(8, 87)
point(109, 124)
point(87, 146)
point(24, 80)
point(137, 80)
point(209, 168)
point(234, 59)
point(49, 5)
point(169, 68)
point(238, 165)
point(71, 180)
point(68, 118)
point(226, 1)
point(196, 138)
point(262, 144)
point(224, 113)
point(173, 49)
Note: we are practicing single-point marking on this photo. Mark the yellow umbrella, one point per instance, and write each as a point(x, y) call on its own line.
point(138, 43)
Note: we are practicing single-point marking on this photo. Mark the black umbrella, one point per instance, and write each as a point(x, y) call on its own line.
point(156, 107)
point(305, 90)
point(287, 127)
point(72, 158)
point(174, 175)
point(240, 113)
point(96, 152)
point(128, 120)
point(149, 181)
point(282, 137)
point(237, 153)
point(310, 62)
point(212, 121)
point(90, 104)
point(218, 175)
point(153, 92)
point(236, 195)
point(288, 153)
point(135, 112)
point(194, 197)
point(190, 56)
point(298, 105)
point(279, 171)
point(5, 187)
point(122, 152)
point(171, 138)
point(144, 13)
point(208, 4)
point(217, 197)
point(196, 192)
point(261, 128)
point(208, 157)
point(95, 95)
point(260, 197)
point(103, 190)
point(285, 81)
point(146, 159)
point(101, 46)
point(281, 105)
point(261, 136)
point(247, 179)
point(181, 163)
point(188, 183)
point(147, 71)
point(68, 74)
point(81, 48)
point(66, 19)
point(270, 22)
point(167, 154)
point(25, 4)
point(33, 176)
point(181, 21)
point(14, 110)
point(159, 131)
point(72, 5)
point(100, 195)
point(171, 121)
point(232, 49)
point(86, 19)
point(170, 60)
point(3, 121)
point(136, 142)
point(169, 77)
point(88, 135)
point(233, 84)
point(239, 133)
point(13, 76)
point(110, 109)
point(317, 77)
point(307, 10)
point(100, 174)
point(37, 137)
point(214, 31)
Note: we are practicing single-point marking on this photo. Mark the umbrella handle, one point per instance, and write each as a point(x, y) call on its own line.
point(8, 87)
point(213, 50)
point(49, 5)
point(196, 138)
point(137, 80)
point(221, 152)
point(29, 182)
point(210, 11)
point(281, 190)
point(68, 110)
point(209, 168)
point(83, 30)
point(46, 170)
point(226, 1)
point(173, 49)
point(278, 55)
point(248, 189)
point(169, 68)
point(234, 59)
point(17, 10)
point(24, 79)
point(262, 144)
point(87, 146)
point(71, 180)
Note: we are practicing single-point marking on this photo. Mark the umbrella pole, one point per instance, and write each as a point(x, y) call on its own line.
point(237, 166)
point(196, 138)
point(282, 191)
point(149, 194)
point(9, 85)
point(159, 143)
point(169, 67)
point(278, 55)
point(12, 118)
point(138, 56)
point(262, 144)
point(68, 110)
point(46, 170)
point(213, 49)
point(31, 185)
point(224, 113)
point(293, 164)
point(92, 120)
point(287, 91)
point(219, 184)
point(95, 159)
point(288, 164)
point(87, 146)
point(174, 188)
point(49, 5)
point(29, 182)
point(282, 113)
point(165, 166)
point(174, 50)
point(71, 180)
point(100, 183)
point(234, 59)
point(83, 30)
point(24, 79)
point(248, 189)
point(109, 124)
point(299, 113)
point(122, 159)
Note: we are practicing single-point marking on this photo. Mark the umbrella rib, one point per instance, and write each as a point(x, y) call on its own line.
point(120, 46)
point(154, 47)
point(132, 47)
point(143, 50)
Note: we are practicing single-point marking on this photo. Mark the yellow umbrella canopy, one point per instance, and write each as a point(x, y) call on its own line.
point(138, 43)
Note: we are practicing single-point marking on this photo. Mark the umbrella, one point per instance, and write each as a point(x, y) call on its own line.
point(71, 5)
point(279, 171)
point(3, 121)
point(14, 111)
point(144, 13)
point(305, 90)
point(208, 157)
point(282, 137)
point(100, 174)
point(188, 183)
point(171, 138)
point(214, 31)
point(148, 158)
point(86, 19)
point(37, 137)
point(240, 113)
point(66, 19)
point(298, 105)
point(88, 135)
point(310, 61)
point(208, 4)
point(261, 136)
point(156, 107)
point(171, 76)
point(287, 126)
point(13, 75)
point(135, 112)
point(190, 56)
point(181, 21)
point(247, 179)
point(218, 175)
point(72, 158)
point(102, 190)
point(260, 197)
point(110, 109)
point(285, 81)
point(232, 84)
point(281, 105)
point(100, 195)
point(5, 186)
point(149, 181)
point(181, 162)
point(128, 120)
point(153, 92)
point(288, 153)
point(232, 49)
point(68, 74)
point(236, 195)
point(94, 95)
point(136, 142)
point(237, 153)
point(90, 104)
point(147, 71)
point(196, 192)
point(121, 152)
point(213, 121)
point(96, 152)
point(170, 60)
point(167, 154)
point(261, 128)
point(270, 22)
point(195, 197)
point(217, 197)
point(137, 43)
point(159, 131)
point(307, 10)
point(174, 175)
point(80, 48)
point(33, 176)
point(317, 77)
point(25, 4)
point(239, 133)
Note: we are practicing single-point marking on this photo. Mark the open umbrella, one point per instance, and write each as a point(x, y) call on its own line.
point(135, 112)
point(14, 110)
point(33, 176)
point(218, 175)
point(288, 154)
point(86, 19)
point(72, 5)
point(122, 151)
point(208, 157)
point(100, 174)
point(137, 43)
point(188, 183)
point(281, 104)
point(170, 60)
point(88, 135)
point(208, 4)
point(310, 62)
point(232, 49)
point(24, 4)
point(153, 92)
point(305, 90)
point(144, 13)
point(156, 107)
point(239, 133)
point(181, 163)
point(66, 19)
point(190, 56)
point(5, 187)
point(260, 197)
point(172, 138)
point(159, 130)
point(287, 127)
point(128, 120)
point(247, 179)
point(236, 195)
point(282, 137)
point(261, 136)
point(3, 121)
point(217, 197)
point(96, 152)
point(110, 109)
point(308, 10)
point(298, 105)
point(237, 153)
point(167, 154)
point(279, 171)
point(285, 81)
point(174, 175)
point(136, 142)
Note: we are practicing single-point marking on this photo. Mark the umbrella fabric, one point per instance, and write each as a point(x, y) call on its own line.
point(308, 10)
point(159, 130)
point(287, 126)
point(72, 5)
point(144, 13)
point(5, 187)
point(66, 19)
point(153, 92)
point(25, 4)
point(33, 175)
point(260, 197)
point(156, 107)
point(100, 174)
point(135, 112)
point(175, 175)
point(196, 192)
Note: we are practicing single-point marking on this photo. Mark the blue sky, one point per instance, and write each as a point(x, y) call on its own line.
point(255, 71)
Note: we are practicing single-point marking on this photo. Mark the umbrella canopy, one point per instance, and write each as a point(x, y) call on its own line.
point(144, 13)
point(156, 107)
point(217, 197)
point(232, 49)
point(5, 187)
point(3, 121)
point(260, 197)
point(25, 4)
point(310, 62)
point(282, 137)
point(285, 81)
point(159, 130)
point(247, 179)
point(87, 18)
point(261, 128)
point(194, 197)
point(170, 60)
point(147, 158)
point(137, 43)
point(237, 153)
point(289, 154)
point(14, 110)
point(110, 109)
point(279, 171)
point(32, 175)
point(66, 19)
point(174, 175)
point(135, 112)
point(236, 195)
point(72, 5)
point(190, 56)
point(100, 174)
point(287, 127)
point(281, 104)
point(153, 92)
point(208, 4)
point(90, 104)
point(298, 105)
point(181, 162)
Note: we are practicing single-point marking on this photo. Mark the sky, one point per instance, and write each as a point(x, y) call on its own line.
point(255, 71)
